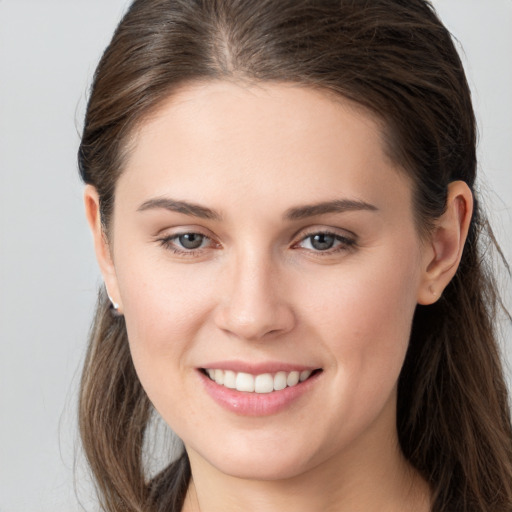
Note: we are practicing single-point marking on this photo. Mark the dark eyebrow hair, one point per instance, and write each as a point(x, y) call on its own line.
point(296, 213)
point(335, 206)
point(180, 207)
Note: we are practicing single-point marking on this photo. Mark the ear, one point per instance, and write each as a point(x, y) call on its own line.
point(101, 244)
point(444, 248)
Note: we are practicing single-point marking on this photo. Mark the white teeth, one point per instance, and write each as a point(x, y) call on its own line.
point(293, 378)
point(303, 375)
point(219, 377)
point(280, 380)
point(263, 383)
point(244, 382)
point(229, 379)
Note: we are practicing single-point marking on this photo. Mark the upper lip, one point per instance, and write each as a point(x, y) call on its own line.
point(258, 368)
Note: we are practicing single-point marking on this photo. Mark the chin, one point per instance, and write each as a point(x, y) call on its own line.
point(260, 470)
point(257, 464)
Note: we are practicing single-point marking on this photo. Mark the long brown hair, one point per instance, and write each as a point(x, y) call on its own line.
point(395, 58)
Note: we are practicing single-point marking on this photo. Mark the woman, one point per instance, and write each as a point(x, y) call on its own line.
point(281, 196)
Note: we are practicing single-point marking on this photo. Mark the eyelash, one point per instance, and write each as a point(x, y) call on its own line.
point(345, 243)
point(169, 243)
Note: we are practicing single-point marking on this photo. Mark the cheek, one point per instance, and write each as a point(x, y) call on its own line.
point(366, 314)
point(163, 309)
point(364, 322)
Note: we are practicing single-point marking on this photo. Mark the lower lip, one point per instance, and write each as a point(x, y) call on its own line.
point(256, 404)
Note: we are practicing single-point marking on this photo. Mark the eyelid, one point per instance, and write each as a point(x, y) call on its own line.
point(181, 229)
point(319, 229)
point(347, 240)
point(167, 241)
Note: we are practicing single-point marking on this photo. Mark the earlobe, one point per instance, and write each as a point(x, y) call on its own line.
point(446, 243)
point(101, 245)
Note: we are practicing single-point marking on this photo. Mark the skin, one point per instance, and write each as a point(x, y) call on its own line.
point(258, 290)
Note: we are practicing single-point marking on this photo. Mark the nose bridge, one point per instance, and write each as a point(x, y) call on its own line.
point(253, 306)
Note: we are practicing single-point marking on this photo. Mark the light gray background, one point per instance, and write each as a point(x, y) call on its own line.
point(48, 276)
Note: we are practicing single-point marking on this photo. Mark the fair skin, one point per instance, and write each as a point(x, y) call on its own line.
point(263, 283)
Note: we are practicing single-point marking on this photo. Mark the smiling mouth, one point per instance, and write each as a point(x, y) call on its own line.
point(262, 383)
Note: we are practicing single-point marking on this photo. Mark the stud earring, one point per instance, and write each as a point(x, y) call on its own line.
point(114, 304)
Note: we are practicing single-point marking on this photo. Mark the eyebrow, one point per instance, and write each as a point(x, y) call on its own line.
point(181, 207)
point(295, 213)
point(335, 206)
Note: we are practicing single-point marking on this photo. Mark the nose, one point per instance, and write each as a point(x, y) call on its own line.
point(254, 305)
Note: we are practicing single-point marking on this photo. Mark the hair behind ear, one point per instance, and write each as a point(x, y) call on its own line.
point(113, 413)
point(453, 413)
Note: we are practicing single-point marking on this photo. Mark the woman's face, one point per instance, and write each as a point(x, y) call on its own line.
point(261, 233)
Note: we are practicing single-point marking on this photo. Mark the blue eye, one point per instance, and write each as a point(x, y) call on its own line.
point(322, 241)
point(186, 243)
point(326, 242)
point(191, 240)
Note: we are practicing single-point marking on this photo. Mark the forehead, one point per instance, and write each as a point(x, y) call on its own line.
point(257, 109)
point(214, 139)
